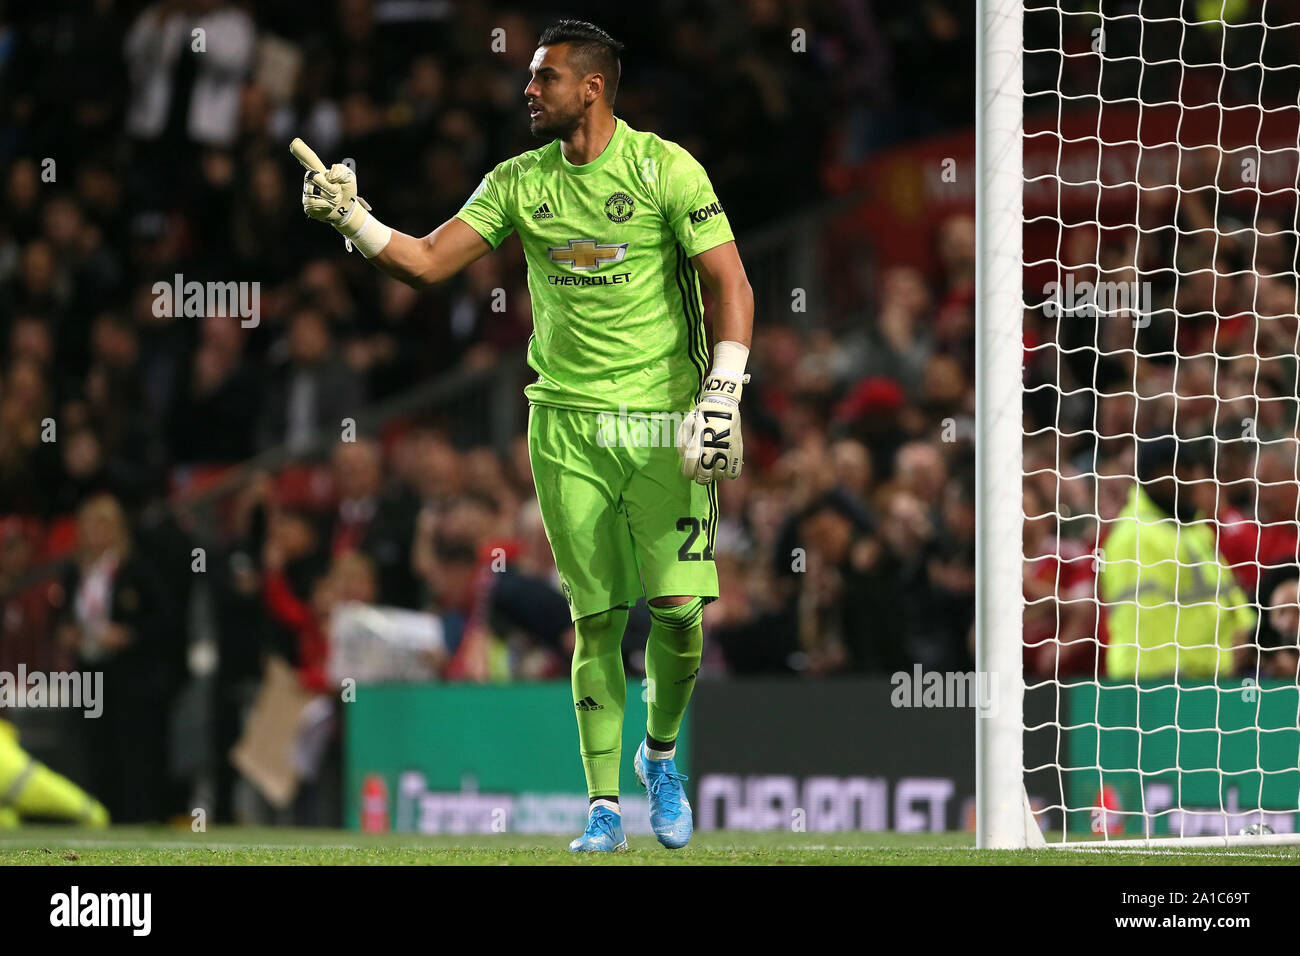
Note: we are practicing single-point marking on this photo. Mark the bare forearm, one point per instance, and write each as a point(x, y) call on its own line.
point(733, 299)
point(434, 258)
point(733, 313)
point(408, 260)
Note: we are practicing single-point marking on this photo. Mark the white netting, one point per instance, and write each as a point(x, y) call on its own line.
point(1162, 179)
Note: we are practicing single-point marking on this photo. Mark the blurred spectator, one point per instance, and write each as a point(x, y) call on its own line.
point(1060, 588)
point(186, 60)
point(1173, 608)
point(215, 413)
point(1272, 537)
point(25, 608)
point(1279, 637)
point(111, 615)
point(312, 391)
point(836, 624)
point(373, 520)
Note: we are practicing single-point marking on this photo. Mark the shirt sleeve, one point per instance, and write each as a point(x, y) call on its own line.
point(691, 206)
point(486, 211)
point(1118, 586)
point(1238, 614)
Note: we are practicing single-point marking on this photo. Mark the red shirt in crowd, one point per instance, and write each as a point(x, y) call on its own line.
point(1245, 545)
point(313, 644)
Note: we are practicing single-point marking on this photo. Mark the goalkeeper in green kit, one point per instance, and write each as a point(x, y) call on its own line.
point(618, 227)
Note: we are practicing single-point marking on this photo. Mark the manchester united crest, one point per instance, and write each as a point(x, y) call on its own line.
point(618, 207)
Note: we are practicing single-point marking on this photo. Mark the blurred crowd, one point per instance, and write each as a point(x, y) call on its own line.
point(1211, 362)
point(1179, 402)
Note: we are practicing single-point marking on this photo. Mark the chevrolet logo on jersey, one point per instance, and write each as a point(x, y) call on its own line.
point(585, 255)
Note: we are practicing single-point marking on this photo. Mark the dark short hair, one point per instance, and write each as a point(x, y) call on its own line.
point(594, 50)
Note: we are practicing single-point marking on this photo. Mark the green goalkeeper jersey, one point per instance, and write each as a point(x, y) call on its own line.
point(617, 315)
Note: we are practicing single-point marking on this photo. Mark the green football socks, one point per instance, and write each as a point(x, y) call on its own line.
point(672, 661)
point(599, 695)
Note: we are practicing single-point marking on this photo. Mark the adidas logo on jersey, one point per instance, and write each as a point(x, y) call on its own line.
point(544, 212)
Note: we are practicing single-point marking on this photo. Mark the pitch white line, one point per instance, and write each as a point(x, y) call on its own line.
point(1175, 852)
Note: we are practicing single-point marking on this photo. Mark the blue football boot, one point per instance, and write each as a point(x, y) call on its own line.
point(604, 833)
point(670, 811)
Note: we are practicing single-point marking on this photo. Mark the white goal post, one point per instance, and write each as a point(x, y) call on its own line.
point(999, 814)
point(1137, 414)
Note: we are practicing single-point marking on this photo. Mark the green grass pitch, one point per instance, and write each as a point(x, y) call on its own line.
point(243, 846)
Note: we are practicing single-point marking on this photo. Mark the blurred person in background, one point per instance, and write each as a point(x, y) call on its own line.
point(32, 791)
point(83, 474)
point(263, 220)
point(185, 87)
point(754, 622)
point(1060, 587)
point(1173, 608)
point(217, 406)
point(110, 613)
point(1267, 530)
point(1279, 632)
point(290, 537)
point(838, 629)
point(243, 630)
point(850, 464)
point(952, 558)
point(898, 579)
point(920, 468)
point(311, 389)
point(900, 339)
point(452, 574)
point(27, 460)
point(317, 752)
point(374, 518)
point(25, 612)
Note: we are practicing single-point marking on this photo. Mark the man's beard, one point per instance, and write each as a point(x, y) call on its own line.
point(560, 127)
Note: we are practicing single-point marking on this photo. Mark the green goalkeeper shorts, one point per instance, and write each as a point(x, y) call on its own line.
point(622, 521)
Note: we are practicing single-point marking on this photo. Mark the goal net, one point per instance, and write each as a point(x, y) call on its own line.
point(1145, 156)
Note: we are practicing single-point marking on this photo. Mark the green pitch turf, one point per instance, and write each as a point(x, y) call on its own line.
point(241, 846)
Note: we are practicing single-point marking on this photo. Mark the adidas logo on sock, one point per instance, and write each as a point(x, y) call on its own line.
point(589, 703)
point(544, 212)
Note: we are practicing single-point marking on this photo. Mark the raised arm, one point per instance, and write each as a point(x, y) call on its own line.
point(330, 195)
point(438, 256)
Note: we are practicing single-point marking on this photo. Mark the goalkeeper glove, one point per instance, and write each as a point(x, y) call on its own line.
point(330, 195)
point(709, 438)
